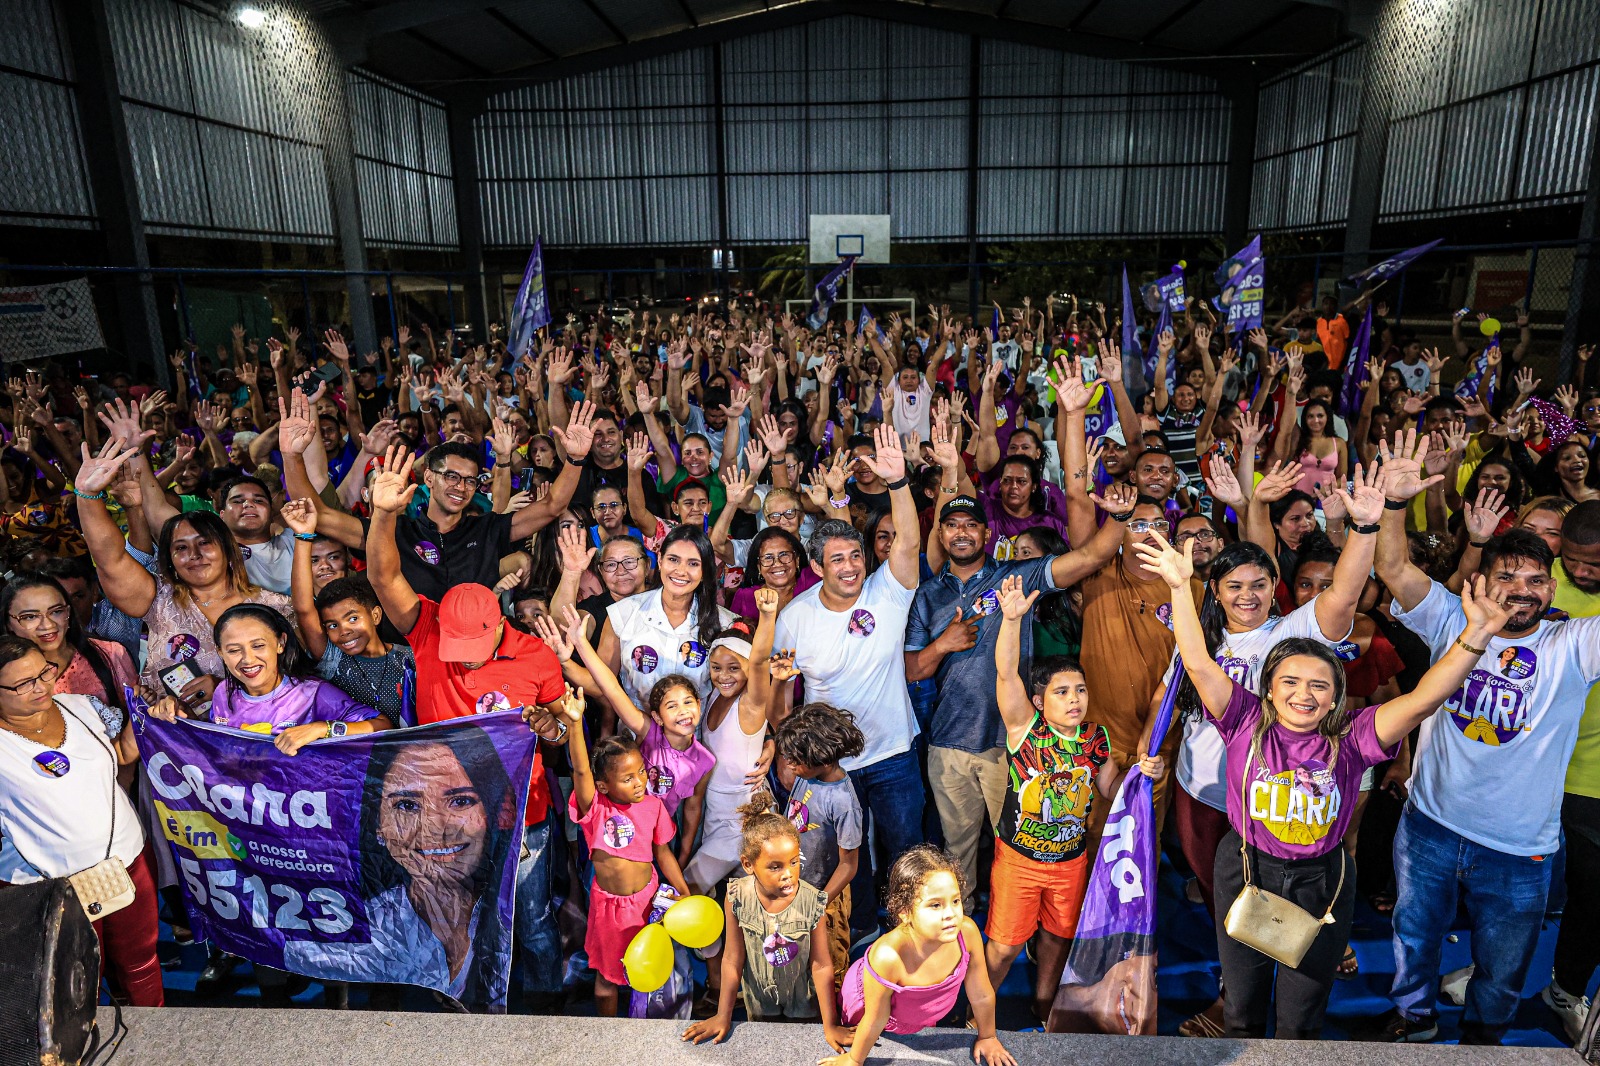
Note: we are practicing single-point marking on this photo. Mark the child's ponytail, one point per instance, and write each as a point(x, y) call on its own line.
point(761, 823)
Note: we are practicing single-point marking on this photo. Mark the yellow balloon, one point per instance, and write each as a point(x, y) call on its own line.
point(694, 921)
point(648, 959)
point(1489, 327)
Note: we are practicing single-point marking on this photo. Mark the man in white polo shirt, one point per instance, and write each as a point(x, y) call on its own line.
point(849, 636)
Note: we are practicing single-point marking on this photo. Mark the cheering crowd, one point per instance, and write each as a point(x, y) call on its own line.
point(858, 627)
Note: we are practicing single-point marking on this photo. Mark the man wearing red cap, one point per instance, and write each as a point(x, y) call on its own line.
point(470, 662)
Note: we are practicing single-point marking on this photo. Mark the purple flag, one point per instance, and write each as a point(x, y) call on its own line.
point(1391, 266)
point(1467, 387)
point(827, 291)
point(293, 861)
point(531, 309)
point(1109, 984)
point(1131, 353)
point(1170, 290)
point(1356, 370)
point(1242, 279)
point(867, 318)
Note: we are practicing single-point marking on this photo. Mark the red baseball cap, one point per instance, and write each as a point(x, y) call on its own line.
point(469, 624)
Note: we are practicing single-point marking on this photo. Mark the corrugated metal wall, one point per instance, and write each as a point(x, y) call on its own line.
point(1305, 143)
point(226, 124)
point(1494, 103)
point(403, 175)
point(44, 179)
point(854, 115)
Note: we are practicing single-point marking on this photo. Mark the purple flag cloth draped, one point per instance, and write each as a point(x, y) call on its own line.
point(1131, 353)
point(531, 309)
point(827, 291)
point(1393, 265)
point(297, 862)
point(1242, 279)
point(1356, 367)
point(1109, 984)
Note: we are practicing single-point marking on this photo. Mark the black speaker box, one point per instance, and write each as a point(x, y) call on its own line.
point(49, 975)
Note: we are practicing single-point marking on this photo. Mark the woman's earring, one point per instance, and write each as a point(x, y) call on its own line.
point(381, 843)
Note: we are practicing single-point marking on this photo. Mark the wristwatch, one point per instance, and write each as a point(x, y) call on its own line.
point(337, 729)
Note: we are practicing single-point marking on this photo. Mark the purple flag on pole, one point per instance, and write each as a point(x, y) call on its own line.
point(1467, 387)
point(1109, 984)
point(1356, 369)
point(1393, 265)
point(827, 291)
point(1242, 279)
point(531, 309)
point(1132, 355)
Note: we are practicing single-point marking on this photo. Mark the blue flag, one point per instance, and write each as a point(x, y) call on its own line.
point(1391, 266)
point(286, 861)
point(1467, 387)
point(1242, 280)
point(1356, 369)
point(1109, 983)
point(826, 292)
point(531, 309)
point(866, 319)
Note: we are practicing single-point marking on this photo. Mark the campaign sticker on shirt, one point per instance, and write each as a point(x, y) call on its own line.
point(244, 550)
point(618, 831)
point(1347, 650)
point(657, 781)
point(862, 623)
point(37, 516)
point(490, 702)
point(645, 659)
point(910, 398)
point(692, 652)
point(987, 604)
point(51, 764)
point(1489, 709)
point(1518, 663)
point(1164, 614)
point(1001, 415)
point(182, 648)
point(428, 552)
point(779, 949)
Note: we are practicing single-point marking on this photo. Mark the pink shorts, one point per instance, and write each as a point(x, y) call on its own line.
point(613, 923)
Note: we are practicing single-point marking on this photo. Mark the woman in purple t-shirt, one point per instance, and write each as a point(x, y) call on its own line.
point(1295, 759)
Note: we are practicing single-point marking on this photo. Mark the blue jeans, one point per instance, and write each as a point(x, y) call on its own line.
point(536, 921)
point(1505, 897)
point(891, 790)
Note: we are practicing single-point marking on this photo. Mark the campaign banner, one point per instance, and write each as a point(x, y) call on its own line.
point(827, 291)
point(1171, 300)
point(531, 309)
point(38, 321)
point(389, 857)
point(1391, 266)
point(1242, 279)
point(1109, 983)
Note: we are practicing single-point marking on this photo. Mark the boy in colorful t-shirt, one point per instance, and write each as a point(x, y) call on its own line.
point(1057, 761)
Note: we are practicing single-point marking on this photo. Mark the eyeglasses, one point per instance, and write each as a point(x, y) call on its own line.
point(46, 678)
point(629, 565)
point(776, 557)
point(453, 479)
point(1149, 525)
point(30, 619)
point(608, 506)
point(1199, 536)
point(783, 516)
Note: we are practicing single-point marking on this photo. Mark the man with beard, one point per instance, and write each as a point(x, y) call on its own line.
point(447, 543)
point(1577, 574)
point(1207, 542)
point(1484, 813)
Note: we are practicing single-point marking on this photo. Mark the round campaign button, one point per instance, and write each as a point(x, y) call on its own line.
point(51, 764)
point(862, 623)
point(183, 647)
point(645, 659)
point(428, 552)
point(693, 653)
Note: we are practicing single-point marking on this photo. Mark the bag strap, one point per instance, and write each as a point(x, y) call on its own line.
point(1244, 839)
point(110, 750)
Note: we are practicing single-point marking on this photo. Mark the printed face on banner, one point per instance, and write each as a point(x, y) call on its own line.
point(338, 862)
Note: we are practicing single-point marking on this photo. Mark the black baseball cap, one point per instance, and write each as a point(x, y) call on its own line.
point(964, 505)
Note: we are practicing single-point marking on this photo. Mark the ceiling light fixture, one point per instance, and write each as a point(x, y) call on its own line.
point(252, 18)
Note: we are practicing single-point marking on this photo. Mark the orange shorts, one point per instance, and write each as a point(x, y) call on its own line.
point(1025, 895)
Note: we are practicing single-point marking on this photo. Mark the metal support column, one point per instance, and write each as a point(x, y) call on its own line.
point(462, 111)
point(974, 95)
point(1583, 297)
point(1242, 95)
point(339, 154)
point(111, 178)
point(720, 148)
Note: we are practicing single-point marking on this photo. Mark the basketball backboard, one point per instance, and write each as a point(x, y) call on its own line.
point(863, 236)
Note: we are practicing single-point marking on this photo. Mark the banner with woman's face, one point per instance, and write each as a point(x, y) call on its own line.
point(389, 857)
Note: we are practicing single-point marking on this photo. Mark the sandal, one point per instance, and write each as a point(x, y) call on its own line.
point(1349, 966)
point(1205, 1025)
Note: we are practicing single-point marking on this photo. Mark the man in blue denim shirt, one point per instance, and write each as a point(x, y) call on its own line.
point(950, 637)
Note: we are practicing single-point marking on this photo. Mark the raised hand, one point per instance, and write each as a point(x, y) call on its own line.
point(1224, 484)
point(578, 437)
point(1487, 612)
point(837, 475)
point(738, 486)
point(1014, 603)
point(1526, 383)
point(1251, 431)
point(1402, 465)
point(781, 665)
point(544, 627)
point(376, 441)
point(1483, 517)
point(1365, 504)
point(1118, 498)
point(300, 515)
point(296, 427)
point(100, 469)
point(1566, 398)
point(334, 340)
point(767, 601)
point(889, 458)
point(639, 453)
point(392, 489)
point(1279, 483)
point(503, 435)
point(1173, 567)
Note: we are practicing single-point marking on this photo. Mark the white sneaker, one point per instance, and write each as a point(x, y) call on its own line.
point(1572, 1010)
point(1454, 985)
